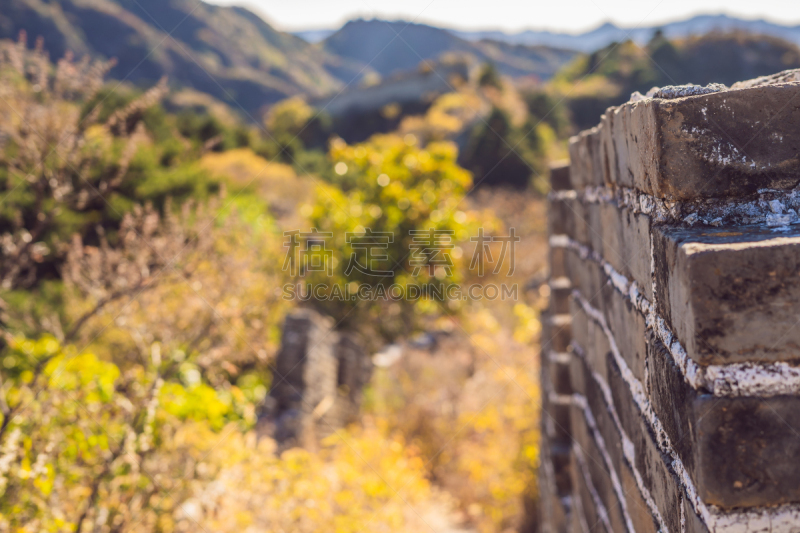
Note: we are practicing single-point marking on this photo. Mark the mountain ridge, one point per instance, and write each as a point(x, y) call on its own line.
point(608, 32)
point(402, 45)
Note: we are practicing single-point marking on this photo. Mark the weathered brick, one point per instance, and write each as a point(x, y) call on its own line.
point(626, 239)
point(662, 484)
point(580, 161)
point(746, 450)
point(597, 469)
point(595, 226)
point(628, 327)
point(559, 176)
point(651, 463)
point(558, 216)
point(740, 451)
point(613, 239)
point(595, 144)
point(641, 516)
point(636, 246)
point(556, 333)
point(556, 422)
point(585, 516)
point(626, 323)
point(619, 117)
point(556, 260)
point(577, 217)
point(693, 522)
point(560, 290)
point(552, 498)
point(592, 340)
point(586, 158)
point(725, 144)
point(585, 384)
point(608, 154)
point(559, 371)
point(730, 294)
point(568, 216)
point(586, 276)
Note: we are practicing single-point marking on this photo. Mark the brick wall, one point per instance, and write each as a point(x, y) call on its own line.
point(318, 381)
point(671, 385)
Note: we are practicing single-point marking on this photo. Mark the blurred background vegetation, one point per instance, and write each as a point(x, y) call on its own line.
point(142, 233)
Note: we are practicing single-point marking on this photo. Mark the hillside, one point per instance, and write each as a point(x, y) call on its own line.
point(390, 47)
point(227, 52)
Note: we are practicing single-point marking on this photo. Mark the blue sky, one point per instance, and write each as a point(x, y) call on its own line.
point(512, 15)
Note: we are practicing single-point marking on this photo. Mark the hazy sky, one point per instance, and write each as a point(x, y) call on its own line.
point(569, 15)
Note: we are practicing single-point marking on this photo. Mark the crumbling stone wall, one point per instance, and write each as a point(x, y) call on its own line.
point(671, 384)
point(318, 381)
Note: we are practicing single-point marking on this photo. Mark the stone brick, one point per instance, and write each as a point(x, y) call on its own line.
point(626, 323)
point(619, 118)
point(559, 372)
point(557, 262)
point(584, 383)
point(560, 455)
point(670, 397)
point(568, 216)
point(555, 420)
point(641, 516)
point(608, 154)
point(587, 277)
point(724, 144)
point(577, 217)
point(613, 243)
point(628, 327)
point(739, 451)
point(353, 375)
point(651, 463)
point(636, 246)
point(626, 239)
point(552, 499)
point(560, 290)
point(585, 516)
point(586, 158)
point(747, 450)
point(559, 176)
point(595, 145)
point(556, 333)
point(558, 216)
point(580, 161)
point(592, 340)
point(660, 481)
point(594, 228)
point(730, 294)
point(693, 522)
point(597, 468)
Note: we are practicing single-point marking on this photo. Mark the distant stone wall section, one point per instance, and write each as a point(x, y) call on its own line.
point(671, 385)
point(317, 386)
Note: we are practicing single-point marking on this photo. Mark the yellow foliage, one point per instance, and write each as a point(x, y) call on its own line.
point(362, 480)
point(446, 118)
point(472, 411)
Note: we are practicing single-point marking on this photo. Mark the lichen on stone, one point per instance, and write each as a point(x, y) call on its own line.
point(679, 91)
